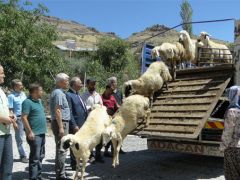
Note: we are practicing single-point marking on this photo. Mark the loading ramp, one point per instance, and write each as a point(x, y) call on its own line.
point(182, 110)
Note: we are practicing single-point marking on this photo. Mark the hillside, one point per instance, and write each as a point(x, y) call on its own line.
point(170, 36)
point(86, 37)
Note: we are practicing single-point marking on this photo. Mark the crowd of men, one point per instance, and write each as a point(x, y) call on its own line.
point(68, 110)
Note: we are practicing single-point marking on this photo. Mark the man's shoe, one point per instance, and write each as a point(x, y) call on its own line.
point(99, 159)
point(107, 154)
point(122, 152)
point(24, 160)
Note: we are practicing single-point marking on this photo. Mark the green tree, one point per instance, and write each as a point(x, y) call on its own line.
point(186, 15)
point(112, 53)
point(26, 49)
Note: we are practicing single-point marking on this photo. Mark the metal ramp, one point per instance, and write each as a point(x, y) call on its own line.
point(183, 109)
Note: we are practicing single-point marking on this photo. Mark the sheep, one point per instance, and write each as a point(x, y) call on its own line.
point(171, 54)
point(87, 138)
point(125, 121)
point(151, 81)
point(191, 46)
point(216, 50)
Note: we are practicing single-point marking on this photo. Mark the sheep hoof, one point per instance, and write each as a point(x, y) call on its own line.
point(113, 166)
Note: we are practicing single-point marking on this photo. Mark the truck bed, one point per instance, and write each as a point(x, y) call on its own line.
point(182, 110)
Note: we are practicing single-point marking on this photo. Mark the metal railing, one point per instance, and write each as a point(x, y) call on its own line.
point(214, 56)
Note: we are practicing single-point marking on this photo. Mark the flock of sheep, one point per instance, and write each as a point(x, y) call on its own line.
point(187, 49)
point(101, 128)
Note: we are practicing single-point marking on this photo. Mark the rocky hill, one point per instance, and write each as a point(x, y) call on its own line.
point(86, 37)
point(170, 36)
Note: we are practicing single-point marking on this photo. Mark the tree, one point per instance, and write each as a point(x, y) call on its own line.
point(186, 15)
point(26, 49)
point(112, 53)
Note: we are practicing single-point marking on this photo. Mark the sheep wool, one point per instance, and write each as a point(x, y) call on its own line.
point(88, 137)
point(125, 121)
point(151, 81)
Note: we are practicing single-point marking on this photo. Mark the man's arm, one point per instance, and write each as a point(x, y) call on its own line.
point(6, 120)
point(30, 134)
point(58, 113)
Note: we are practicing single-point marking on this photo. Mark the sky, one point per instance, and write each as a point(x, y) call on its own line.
point(125, 17)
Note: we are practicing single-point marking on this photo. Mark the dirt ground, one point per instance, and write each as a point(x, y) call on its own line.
point(138, 164)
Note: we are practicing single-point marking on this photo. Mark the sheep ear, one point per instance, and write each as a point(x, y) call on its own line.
point(67, 144)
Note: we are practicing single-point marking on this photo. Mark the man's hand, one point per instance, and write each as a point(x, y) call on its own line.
point(14, 119)
point(31, 136)
point(8, 120)
point(76, 129)
point(61, 132)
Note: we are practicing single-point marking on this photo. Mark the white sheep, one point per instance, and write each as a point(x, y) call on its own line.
point(87, 138)
point(216, 50)
point(191, 46)
point(151, 81)
point(171, 53)
point(125, 121)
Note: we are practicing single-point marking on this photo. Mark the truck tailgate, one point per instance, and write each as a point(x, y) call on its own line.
point(183, 109)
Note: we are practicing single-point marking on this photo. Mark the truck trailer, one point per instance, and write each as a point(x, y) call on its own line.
point(187, 117)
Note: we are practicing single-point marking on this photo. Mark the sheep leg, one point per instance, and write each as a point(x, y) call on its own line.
point(84, 163)
point(114, 142)
point(119, 145)
point(77, 169)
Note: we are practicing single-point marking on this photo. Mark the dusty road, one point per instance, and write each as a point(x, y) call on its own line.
point(137, 164)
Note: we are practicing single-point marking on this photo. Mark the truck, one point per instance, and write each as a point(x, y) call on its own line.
point(188, 117)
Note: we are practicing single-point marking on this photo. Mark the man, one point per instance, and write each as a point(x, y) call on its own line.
point(35, 123)
point(91, 97)
point(15, 100)
point(6, 152)
point(78, 111)
point(112, 81)
point(112, 106)
point(60, 115)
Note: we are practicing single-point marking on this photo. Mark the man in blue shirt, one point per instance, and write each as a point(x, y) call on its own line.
point(15, 99)
point(78, 111)
point(35, 123)
point(60, 115)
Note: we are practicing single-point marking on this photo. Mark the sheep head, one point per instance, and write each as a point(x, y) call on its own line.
point(155, 53)
point(108, 134)
point(183, 36)
point(67, 142)
point(204, 37)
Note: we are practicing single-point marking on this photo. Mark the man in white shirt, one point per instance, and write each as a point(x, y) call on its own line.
point(6, 151)
point(91, 97)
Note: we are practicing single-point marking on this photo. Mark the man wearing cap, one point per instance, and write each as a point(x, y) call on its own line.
point(91, 97)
